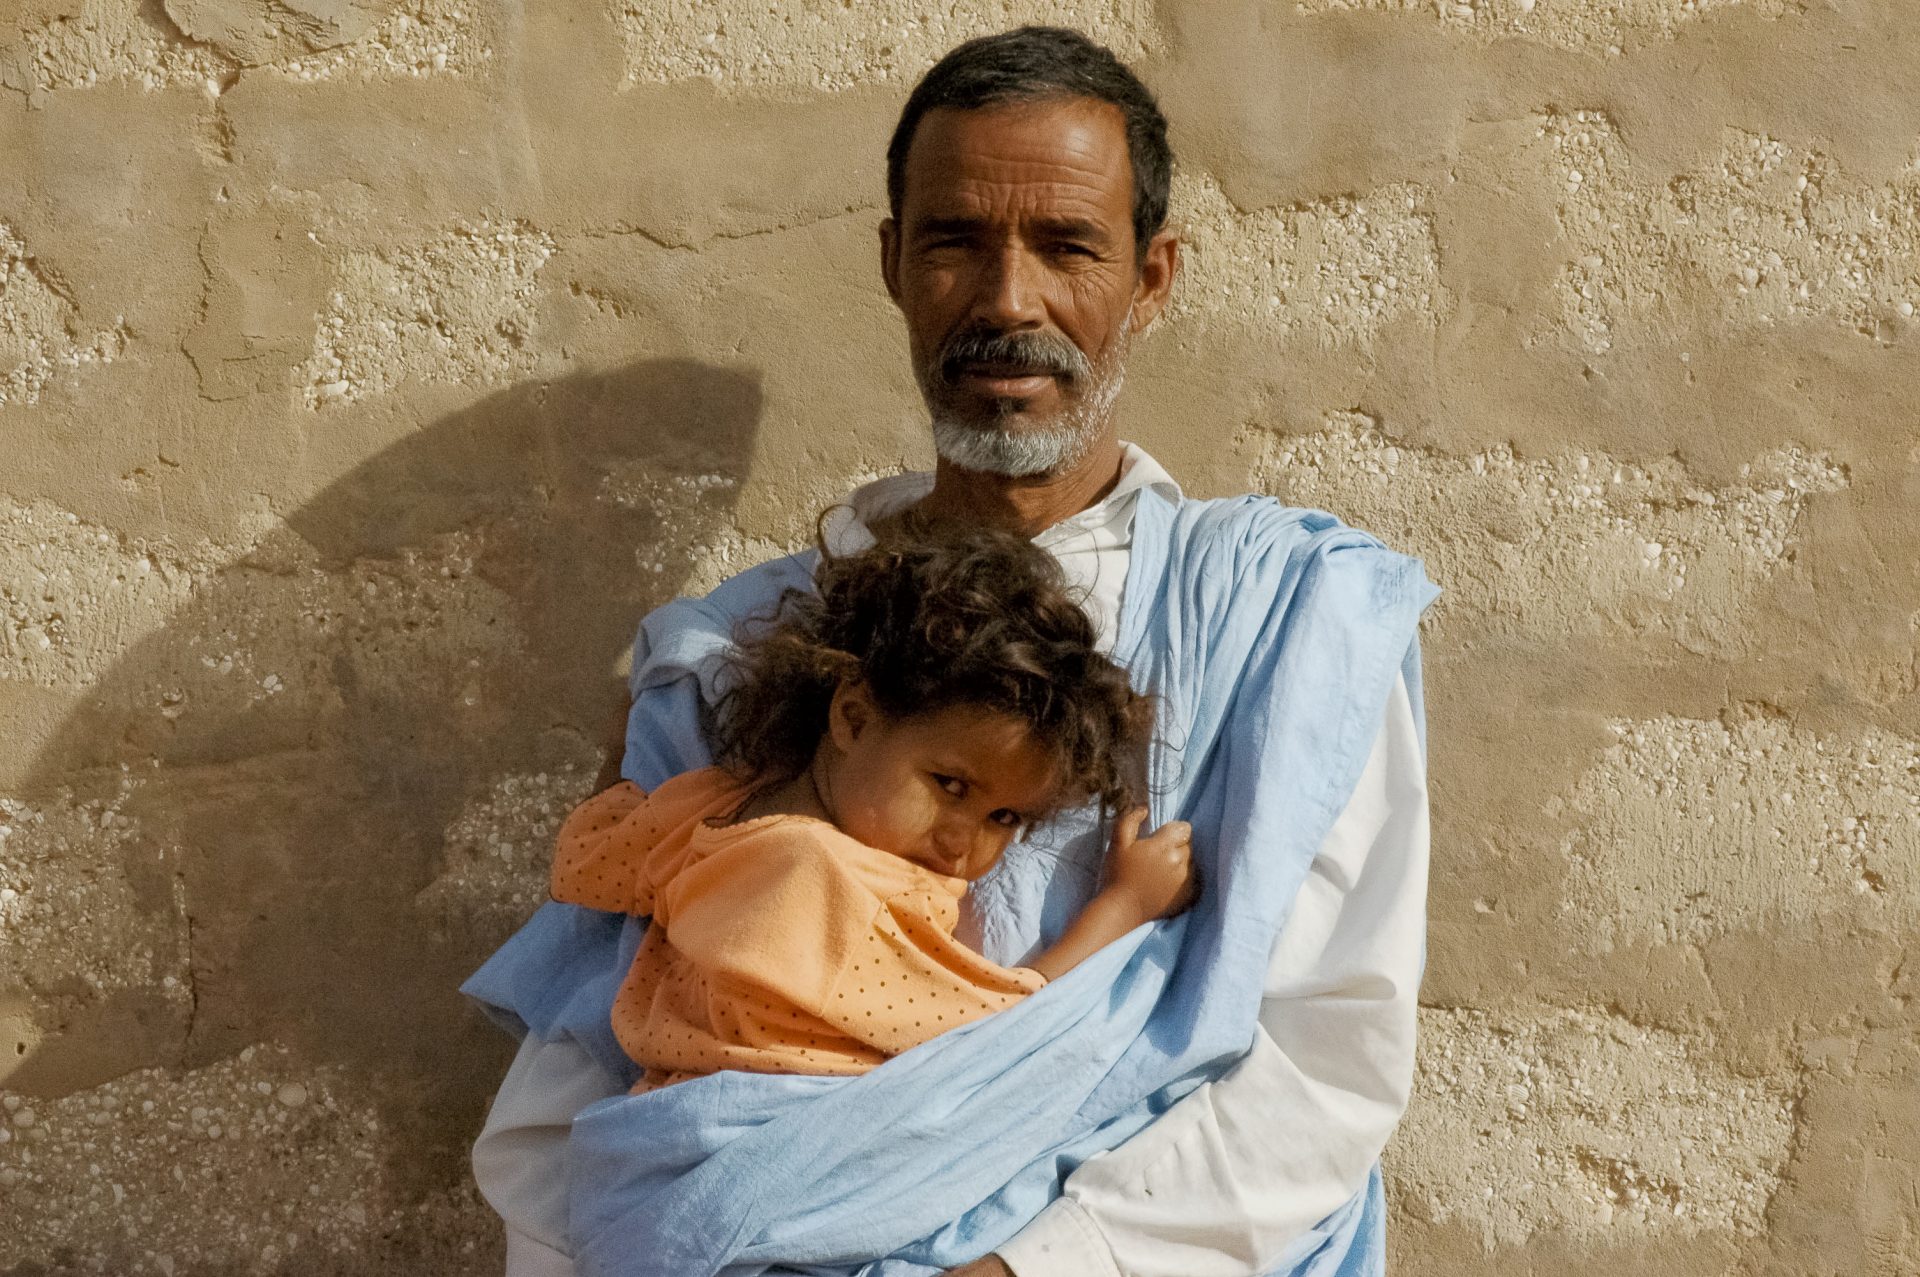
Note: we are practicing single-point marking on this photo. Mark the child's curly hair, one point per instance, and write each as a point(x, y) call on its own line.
point(928, 619)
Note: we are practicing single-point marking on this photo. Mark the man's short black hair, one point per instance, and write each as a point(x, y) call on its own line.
point(1030, 64)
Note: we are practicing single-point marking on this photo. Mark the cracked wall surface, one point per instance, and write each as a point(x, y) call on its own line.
point(1591, 26)
point(369, 367)
point(38, 327)
point(205, 44)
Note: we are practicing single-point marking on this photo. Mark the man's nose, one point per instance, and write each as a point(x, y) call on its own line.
point(1011, 294)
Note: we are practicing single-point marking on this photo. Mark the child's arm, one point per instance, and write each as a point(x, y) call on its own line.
point(1147, 878)
point(600, 853)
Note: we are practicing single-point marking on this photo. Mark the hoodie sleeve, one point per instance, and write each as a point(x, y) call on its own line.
point(600, 859)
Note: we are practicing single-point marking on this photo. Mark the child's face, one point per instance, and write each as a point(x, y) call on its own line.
point(947, 790)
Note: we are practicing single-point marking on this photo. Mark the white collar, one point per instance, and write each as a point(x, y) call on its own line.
point(846, 529)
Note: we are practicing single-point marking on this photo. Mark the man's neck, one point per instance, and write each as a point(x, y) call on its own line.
point(1027, 505)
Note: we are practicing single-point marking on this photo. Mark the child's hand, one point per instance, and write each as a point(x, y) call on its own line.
point(1147, 878)
point(1155, 871)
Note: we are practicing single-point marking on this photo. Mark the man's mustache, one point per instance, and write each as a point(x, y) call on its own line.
point(1030, 351)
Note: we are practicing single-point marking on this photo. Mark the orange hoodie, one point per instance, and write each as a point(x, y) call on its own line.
point(778, 945)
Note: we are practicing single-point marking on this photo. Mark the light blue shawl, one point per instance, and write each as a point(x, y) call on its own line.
point(1272, 637)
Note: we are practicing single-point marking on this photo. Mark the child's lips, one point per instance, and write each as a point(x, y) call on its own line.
point(940, 864)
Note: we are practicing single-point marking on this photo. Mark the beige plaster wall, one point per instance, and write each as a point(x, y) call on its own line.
point(367, 367)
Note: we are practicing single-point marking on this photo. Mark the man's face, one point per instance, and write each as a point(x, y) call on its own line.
point(1014, 263)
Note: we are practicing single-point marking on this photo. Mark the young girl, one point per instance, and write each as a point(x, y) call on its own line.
point(882, 742)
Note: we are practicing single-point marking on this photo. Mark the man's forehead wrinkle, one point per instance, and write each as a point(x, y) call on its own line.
point(1091, 173)
point(1024, 206)
point(1083, 164)
point(1024, 201)
point(1062, 156)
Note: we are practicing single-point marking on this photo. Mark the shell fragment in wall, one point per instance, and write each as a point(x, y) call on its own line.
point(116, 1178)
point(1593, 26)
point(40, 331)
point(110, 41)
point(827, 45)
point(75, 596)
point(1685, 830)
point(1585, 1124)
point(499, 848)
point(458, 308)
point(1335, 271)
point(126, 41)
point(84, 900)
point(1768, 234)
point(1582, 543)
point(676, 502)
point(301, 632)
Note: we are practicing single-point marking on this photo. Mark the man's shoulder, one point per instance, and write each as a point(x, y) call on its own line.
point(764, 581)
point(689, 635)
point(748, 592)
point(1255, 541)
point(1260, 518)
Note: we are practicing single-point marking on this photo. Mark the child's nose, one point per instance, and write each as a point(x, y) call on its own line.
point(953, 838)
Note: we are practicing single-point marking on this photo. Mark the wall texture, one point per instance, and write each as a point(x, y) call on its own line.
point(367, 367)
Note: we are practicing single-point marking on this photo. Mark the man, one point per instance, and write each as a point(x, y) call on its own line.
point(1027, 247)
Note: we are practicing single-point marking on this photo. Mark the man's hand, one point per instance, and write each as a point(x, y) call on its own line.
point(986, 1266)
point(616, 738)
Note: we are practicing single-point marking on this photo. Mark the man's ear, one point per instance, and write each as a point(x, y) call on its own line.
point(890, 257)
point(1158, 267)
point(850, 713)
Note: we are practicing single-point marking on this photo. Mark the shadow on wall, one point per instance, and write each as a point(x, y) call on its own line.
point(431, 640)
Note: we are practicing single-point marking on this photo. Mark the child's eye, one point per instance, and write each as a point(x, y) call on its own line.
point(1006, 817)
point(952, 784)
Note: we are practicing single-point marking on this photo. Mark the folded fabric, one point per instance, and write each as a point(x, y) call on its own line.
point(1272, 637)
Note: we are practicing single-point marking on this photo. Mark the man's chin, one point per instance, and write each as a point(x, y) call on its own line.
point(1005, 416)
point(1009, 414)
point(1014, 446)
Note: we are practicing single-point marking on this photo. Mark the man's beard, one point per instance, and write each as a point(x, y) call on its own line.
point(994, 446)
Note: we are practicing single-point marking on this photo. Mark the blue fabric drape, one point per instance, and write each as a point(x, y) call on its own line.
point(1272, 637)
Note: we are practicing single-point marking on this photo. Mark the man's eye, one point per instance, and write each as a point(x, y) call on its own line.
point(952, 784)
point(1007, 818)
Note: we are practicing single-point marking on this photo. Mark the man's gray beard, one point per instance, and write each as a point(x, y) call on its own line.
point(1014, 453)
point(1050, 449)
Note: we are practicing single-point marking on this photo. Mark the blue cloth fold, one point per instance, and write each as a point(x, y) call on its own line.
point(1273, 638)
